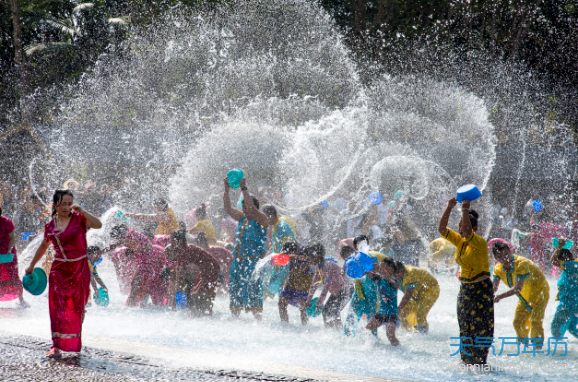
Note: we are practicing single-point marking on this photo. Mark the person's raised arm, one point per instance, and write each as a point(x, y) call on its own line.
point(229, 209)
point(93, 222)
point(259, 216)
point(466, 223)
point(38, 255)
point(443, 223)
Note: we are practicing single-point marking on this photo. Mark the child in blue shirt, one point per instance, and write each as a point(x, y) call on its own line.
point(566, 316)
point(387, 312)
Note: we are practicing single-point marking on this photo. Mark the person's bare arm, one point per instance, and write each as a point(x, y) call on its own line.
point(38, 255)
point(510, 292)
point(93, 222)
point(173, 282)
point(94, 287)
point(466, 223)
point(11, 242)
point(405, 299)
point(229, 209)
point(496, 284)
point(443, 223)
point(100, 282)
point(259, 216)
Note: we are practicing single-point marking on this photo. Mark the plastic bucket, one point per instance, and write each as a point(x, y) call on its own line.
point(365, 262)
point(353, 269)
point(27, 235)
point(312, 310)
point(398, 194)
point(537, 205)
point(235, 175)
point(375, 197)
point(181, 298)
point(324, 204)
point(468, 192)
point(7, 258)
point(103, 299)
point(120, 215)
point(280, 259)
point(36, 282)
point(568, 244)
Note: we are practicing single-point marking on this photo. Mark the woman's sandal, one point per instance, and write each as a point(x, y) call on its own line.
point(53, 353)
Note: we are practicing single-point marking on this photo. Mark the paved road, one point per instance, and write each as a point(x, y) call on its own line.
point(23, 359)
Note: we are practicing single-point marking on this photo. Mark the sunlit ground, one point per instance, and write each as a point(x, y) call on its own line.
point(313, 351)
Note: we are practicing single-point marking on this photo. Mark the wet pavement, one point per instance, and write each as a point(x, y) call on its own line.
point(23, 359)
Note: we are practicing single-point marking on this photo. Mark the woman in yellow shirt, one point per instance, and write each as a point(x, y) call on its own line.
point(476, 296)
point(204, 225)
point(163, 215)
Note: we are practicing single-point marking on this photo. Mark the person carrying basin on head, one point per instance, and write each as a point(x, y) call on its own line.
point(195, 271)
point(525, 280)
point(69, 279)
point(163, 215)
point(245, 291)
point(566, 316)
point(10, 284)
point(476, 296)
point(298, 282)
point(328, 273)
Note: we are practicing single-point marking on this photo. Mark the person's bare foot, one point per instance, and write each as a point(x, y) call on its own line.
point(24, 304)
point(54, 353)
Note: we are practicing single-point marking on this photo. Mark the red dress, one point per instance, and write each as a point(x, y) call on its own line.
point(10, 284)
point(68, 282)
point(125, 267)
point(225, 259)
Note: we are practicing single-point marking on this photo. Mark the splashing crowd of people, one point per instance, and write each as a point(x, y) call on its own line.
point(171, 264)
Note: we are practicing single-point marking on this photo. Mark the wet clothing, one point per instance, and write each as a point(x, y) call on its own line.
point(162, 240)
point(10, 283)
point(225, 259)
point(441, 251)
point(276, 276)
point(167, 228)
point(206, 226)
point(125, 268)
point(426, 291)
point(334, 305)
point(281, 233)
point(387, 297)
point(541, 238)
point(532, 299)
point(329, 274)
point(476, 318)
point(246, 291)
point(298, 282)
point(68, 282)
point(471, 255)
point(566, 316)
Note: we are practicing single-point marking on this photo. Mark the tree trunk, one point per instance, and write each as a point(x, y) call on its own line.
point(17, 34)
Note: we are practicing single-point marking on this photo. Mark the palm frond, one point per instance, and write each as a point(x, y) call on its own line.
point(50, 46)
point(64, 26)
point(82, 7)
point(123, 20)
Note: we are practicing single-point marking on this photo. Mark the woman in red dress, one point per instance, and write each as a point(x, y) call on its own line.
point(10, 284)
point(69, 279)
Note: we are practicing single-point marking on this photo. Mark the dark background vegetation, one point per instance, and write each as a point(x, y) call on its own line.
point(532, 44)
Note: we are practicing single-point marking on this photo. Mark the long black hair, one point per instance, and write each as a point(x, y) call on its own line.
point(57, 198)
point(473, 218)
point(201, 211)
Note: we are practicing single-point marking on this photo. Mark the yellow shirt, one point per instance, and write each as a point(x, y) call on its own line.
point(441, 250)
point(535, 287)
point(206, 226)
point(380, 256)
point(418, 279)
point(471, 255)
point(166, 229)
